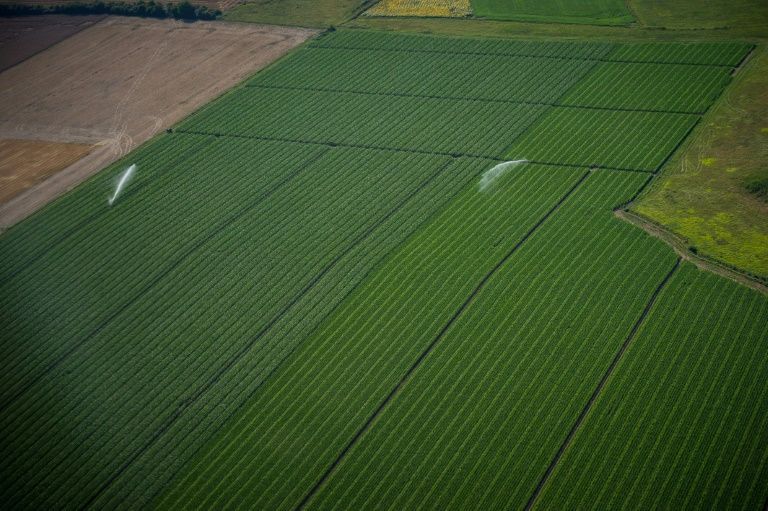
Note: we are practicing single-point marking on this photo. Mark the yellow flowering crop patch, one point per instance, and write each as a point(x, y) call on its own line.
point(441, 8)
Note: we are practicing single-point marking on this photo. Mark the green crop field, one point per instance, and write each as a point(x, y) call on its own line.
point(706, 451)
point(328, 289)
point(591, 12)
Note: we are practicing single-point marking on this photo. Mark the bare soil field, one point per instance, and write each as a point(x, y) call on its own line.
point(22, 37)
point(221, 5)
point(24, 163)
point(120, 81)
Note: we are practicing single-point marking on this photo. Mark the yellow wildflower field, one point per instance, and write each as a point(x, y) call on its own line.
point(437, 8)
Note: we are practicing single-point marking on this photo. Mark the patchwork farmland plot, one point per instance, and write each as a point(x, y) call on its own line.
point(304, 299)
point(704, 451)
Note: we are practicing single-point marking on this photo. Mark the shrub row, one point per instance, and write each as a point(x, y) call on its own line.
point(151, 9)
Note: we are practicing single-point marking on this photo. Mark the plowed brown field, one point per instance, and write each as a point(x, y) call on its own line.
point(22, 37)
point(24, 163)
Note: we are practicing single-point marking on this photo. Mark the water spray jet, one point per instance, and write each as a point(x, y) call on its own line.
point(124, 178)
point(492, 175)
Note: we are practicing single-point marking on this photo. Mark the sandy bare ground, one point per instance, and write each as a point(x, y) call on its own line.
point(221, 5)
point(24, 163)
point(22, 37)
point(120, 81)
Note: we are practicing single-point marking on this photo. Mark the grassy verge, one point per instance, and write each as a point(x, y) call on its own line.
point(709, 192)
point(512, 29)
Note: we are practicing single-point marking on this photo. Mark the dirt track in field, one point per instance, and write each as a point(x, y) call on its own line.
point(120, 81)
point(24, 163)
point(22, 37)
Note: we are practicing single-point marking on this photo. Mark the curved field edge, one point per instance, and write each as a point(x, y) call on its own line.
point(702, 194)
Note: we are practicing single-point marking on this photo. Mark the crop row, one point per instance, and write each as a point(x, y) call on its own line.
point(53, 305)
point(707, 54)
point(30, 239)
point(315, 404)
point(711, 54)
point(490, 77)
point(603, 138)
point(661, 87)
point(127, 377)
point(372, 40)
point(449, 126)
point(683, 422)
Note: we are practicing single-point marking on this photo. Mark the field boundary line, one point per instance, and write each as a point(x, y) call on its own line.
point(336, 144)
point(513, 54)
point(593, 167)
point(601, 384)
point(431, 346)
point(191, 250)
point(471, 99)
point(331, 145)
point(679, 245)
point(207, 385)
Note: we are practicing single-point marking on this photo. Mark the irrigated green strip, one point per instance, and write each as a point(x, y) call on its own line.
point(158, 162)
point(479, 422)
point(373, 40)
point(683, 423)
point(603, 138)
point(661, 87)
point(128, 379)
point(430, 125)
point(152, 470)
point(74, 289)
point(270, 455)
point(708, 54)
point(490, 77)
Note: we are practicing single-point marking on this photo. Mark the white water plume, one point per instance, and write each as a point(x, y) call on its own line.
point(124, 178)
point(492, 175)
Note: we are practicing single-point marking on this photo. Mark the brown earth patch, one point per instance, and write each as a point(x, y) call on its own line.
point(22, 37)
point(119, 82)
point(221, 5)
point(24, 163)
